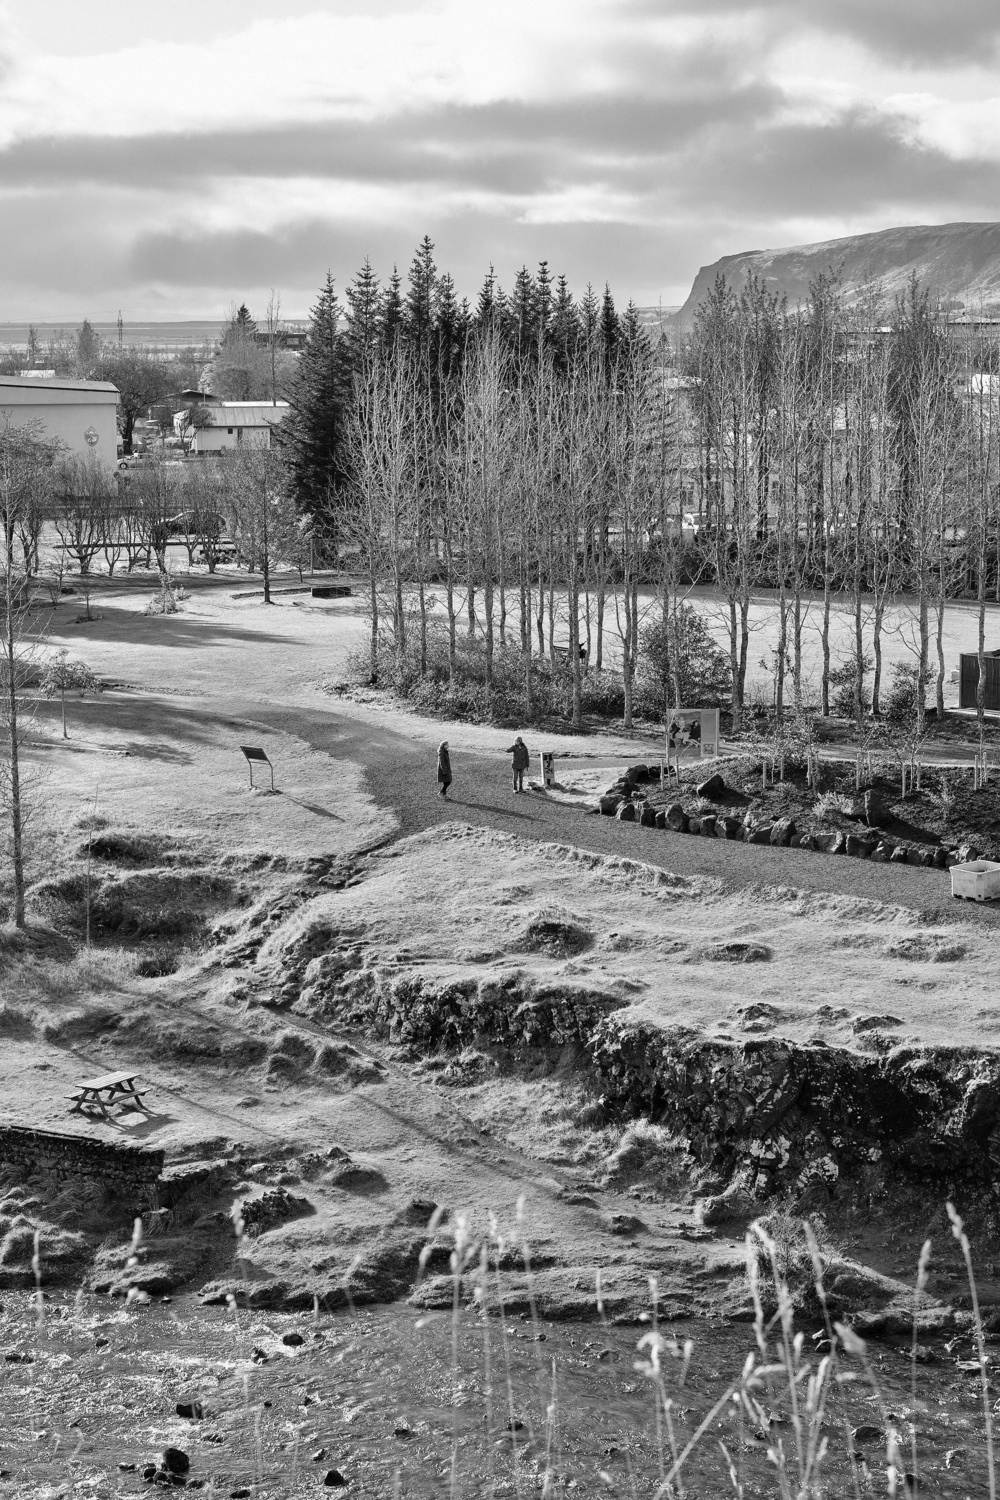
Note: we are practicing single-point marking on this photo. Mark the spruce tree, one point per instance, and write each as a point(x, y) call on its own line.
point(364, 319)
point(312, 434)
point(392, 310)
point(422, 285)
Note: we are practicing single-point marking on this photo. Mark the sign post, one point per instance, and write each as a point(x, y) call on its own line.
point(694, 731)
point(255, 754)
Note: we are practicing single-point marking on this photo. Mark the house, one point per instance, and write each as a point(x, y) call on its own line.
point(80, 415)
point(234, 424)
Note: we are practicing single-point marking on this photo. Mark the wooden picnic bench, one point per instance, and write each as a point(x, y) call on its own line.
point(108, 1092)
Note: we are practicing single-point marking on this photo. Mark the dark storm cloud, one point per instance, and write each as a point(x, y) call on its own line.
point(935, 32)
point(468, 242)
point(857, 163)
point(507, 146)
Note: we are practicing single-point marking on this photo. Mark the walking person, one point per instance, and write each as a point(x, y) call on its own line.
point(519, 762)
point(444, 769)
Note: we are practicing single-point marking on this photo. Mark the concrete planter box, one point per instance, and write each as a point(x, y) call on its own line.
point(976, 880)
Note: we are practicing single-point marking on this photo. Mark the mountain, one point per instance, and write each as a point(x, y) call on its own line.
point(960, 263)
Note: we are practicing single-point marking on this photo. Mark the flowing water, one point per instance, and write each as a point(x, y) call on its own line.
point(410, 1403)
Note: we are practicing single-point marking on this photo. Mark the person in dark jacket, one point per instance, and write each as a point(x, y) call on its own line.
point(444, 769)
point(519, 762)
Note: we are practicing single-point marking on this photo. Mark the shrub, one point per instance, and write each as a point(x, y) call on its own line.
point(899, 705)
point(842, 684)
point(703, 667)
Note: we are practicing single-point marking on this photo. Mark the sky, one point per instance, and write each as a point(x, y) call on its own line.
point(170, 160)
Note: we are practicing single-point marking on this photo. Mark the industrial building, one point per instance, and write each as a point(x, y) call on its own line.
point(80, 415)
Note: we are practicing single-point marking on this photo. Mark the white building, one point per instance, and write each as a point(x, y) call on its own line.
point(234, 424)
point(80, 415)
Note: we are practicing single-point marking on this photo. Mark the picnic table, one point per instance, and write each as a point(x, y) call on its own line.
point(108, 1092)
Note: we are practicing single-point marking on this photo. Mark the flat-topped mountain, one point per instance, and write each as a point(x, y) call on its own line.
point(960, 263)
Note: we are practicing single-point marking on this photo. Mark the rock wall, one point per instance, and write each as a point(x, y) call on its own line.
point(765, 1116)
point(124, 1168)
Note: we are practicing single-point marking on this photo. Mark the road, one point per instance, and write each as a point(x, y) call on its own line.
point(401, 774)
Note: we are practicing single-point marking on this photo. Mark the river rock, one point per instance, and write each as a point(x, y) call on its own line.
point(713, 789)
point(781, 832)
point(626, 813)
point(707, 829)
point(677, 818)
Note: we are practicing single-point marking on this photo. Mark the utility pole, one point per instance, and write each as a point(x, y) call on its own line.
point(121, 329)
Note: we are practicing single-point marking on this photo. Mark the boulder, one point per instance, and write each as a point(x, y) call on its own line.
point(757, 833)
point(175, 1461)
point(898, 855)
point(677, 818)
point(626, 813)
point(661, 818)
point(940, 857)
point(647, 816)
point(874, 808)
point(728, 828)
point(707, 829)
point(927, 858)
point(914, 856)
point(694, 825)
point(882, 851)
point(967, 853)
point(713, 789)
point(950, 858)
point(858, 848)
point(781, 832)
point(637, 773)
point(610, 803)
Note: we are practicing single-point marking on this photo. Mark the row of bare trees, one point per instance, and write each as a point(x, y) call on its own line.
point(837, 456)
point(531, 497)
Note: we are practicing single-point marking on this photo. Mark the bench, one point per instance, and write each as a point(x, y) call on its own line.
point(103, 1094)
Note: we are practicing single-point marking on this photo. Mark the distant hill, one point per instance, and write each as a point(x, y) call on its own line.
point(960, 263)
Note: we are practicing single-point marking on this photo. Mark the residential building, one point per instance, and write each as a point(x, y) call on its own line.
point(233, 424)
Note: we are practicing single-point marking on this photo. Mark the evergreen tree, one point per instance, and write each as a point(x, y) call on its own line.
point(565, 326)
point(451, 326)
point(590, 319)
point(610, 327)
point(88, 348)
point(490, 306)
point(420, 296)
point(364, 320)
point(523, 313)
point(312, 435)
point(392, 310)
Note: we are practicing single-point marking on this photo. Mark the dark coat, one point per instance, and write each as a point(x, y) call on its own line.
point(519, 751)
point(444, 766)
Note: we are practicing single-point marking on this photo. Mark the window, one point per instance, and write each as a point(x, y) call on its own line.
point(230, 431)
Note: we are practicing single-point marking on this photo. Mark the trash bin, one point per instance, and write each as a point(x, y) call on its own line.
point(548, 761)
point(976, 880)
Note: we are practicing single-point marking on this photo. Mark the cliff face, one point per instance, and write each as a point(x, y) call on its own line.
point(960, 263)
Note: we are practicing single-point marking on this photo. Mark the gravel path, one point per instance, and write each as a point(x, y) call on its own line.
point(400, 773)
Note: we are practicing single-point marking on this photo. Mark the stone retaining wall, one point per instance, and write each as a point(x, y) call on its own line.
point(121, 1167)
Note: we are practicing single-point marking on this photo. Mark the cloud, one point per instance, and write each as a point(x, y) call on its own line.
point(907, 31)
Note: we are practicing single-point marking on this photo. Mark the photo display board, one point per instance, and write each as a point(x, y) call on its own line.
point(693, 731)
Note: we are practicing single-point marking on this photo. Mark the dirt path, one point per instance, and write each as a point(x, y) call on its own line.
point(400, 774)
